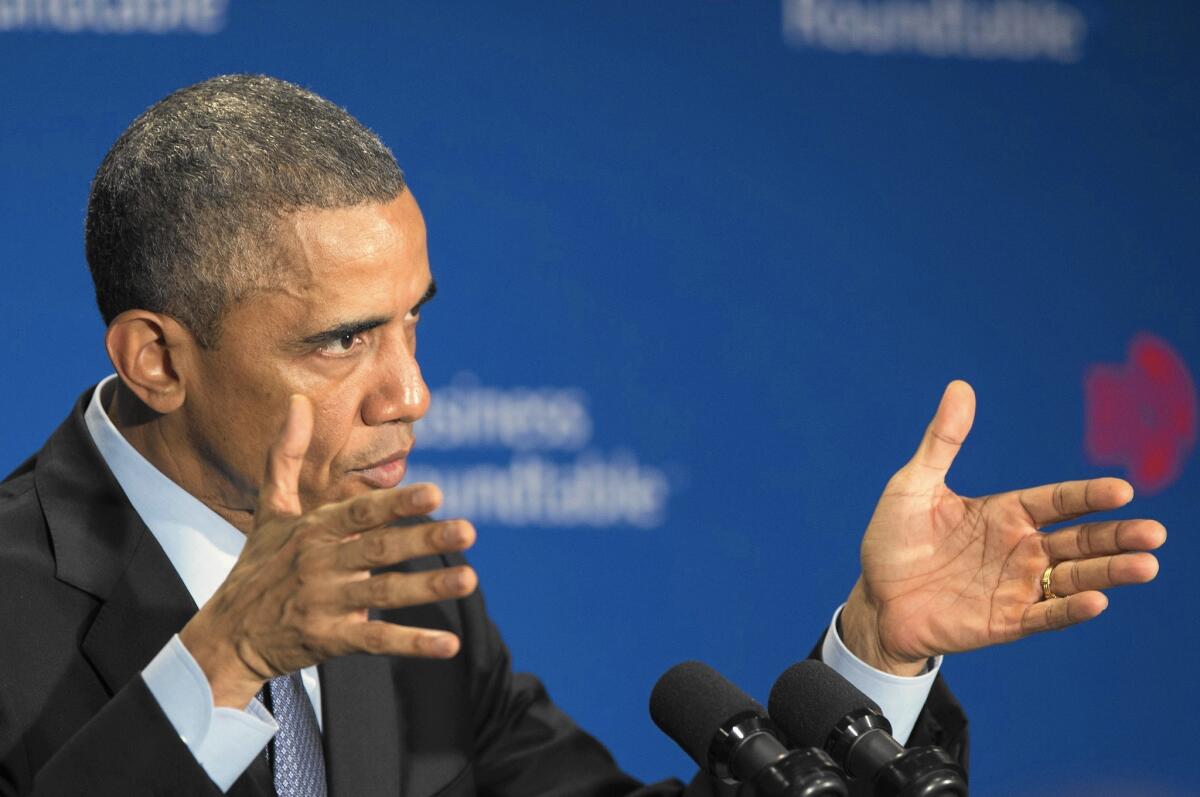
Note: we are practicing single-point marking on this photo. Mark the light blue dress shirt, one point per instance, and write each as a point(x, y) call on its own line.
point(203, 548)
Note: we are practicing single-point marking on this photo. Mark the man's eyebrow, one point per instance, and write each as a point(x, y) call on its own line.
point(342, 330)
point(363, 325)
point(430, 292)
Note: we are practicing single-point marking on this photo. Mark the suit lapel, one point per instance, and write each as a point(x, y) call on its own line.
point(102, 546)
point(92, 524)
point(363, 729)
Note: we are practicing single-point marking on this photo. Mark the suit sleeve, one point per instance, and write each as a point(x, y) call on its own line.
point(128, 748)
point(942, 722)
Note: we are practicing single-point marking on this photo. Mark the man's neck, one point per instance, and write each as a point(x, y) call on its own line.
point(161, 439)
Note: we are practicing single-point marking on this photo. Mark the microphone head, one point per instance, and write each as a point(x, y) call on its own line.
point(690, 703)
point(810, 699)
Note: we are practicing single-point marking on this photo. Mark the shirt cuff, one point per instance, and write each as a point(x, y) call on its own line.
point(224, 741)
point(900, 697)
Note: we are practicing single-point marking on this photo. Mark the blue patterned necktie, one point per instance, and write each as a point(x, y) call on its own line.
point(295, 753)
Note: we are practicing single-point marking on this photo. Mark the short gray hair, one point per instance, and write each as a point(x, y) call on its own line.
point(183, 211)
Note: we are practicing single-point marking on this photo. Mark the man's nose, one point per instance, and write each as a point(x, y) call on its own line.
point(401, 393)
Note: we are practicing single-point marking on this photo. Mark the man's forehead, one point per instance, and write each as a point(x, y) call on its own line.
point(344, 263)
point(333, 241)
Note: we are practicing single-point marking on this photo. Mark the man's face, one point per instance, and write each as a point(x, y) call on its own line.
point(340, 328)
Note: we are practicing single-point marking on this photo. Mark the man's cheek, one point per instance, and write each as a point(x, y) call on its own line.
point(324, 461)
point(331, 428)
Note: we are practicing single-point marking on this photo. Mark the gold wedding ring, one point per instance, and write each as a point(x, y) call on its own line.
point(1047, 594)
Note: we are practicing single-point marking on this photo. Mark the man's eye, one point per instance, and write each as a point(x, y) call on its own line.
point(342, 345)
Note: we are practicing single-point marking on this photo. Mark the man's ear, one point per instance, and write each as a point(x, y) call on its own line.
point(150, 352)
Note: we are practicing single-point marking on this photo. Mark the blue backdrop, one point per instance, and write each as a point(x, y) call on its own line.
point(705, 267)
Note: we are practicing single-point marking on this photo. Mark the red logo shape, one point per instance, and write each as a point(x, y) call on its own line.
point(1141, 415)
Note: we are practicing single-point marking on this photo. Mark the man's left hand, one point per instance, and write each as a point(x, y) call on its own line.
point(942, 573)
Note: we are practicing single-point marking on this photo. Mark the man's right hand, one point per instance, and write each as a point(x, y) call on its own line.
point(300, 591)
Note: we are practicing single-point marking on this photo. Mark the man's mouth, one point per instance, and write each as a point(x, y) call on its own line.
point(386, 472)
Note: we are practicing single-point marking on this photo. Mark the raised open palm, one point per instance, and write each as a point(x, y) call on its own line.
point(943, 573)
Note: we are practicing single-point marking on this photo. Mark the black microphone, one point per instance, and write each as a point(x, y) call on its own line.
point(730, 736)
point(816, 706)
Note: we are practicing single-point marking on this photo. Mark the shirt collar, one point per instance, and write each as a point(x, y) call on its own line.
point(201, 545)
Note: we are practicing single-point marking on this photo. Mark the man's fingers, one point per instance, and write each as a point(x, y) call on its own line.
point(395, 590)
point(387, 546)
point(1054, 503)
point(1103, 539)
point(380, 507)
point(383, 638)
point(1085, 575)
point(1059, 613)
point(946, 432)
point(280, 493)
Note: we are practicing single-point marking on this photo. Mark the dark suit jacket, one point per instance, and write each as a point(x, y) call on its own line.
point(87, 598)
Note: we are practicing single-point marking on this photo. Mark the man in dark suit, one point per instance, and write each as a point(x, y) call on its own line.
point(211, 558)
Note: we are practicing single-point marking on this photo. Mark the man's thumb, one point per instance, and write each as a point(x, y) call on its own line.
point(946, 432)
point(280, 493)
